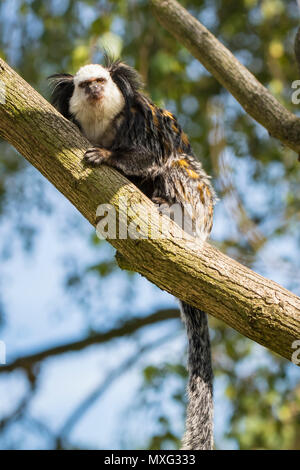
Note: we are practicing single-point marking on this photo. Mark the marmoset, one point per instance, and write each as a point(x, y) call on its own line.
point(146, 143)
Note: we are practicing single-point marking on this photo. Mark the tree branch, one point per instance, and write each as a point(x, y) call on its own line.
point(128, 328)
point(198, 274)
point(221, 63)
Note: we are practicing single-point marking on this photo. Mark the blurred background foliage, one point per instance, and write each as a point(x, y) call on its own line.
point(60, 285)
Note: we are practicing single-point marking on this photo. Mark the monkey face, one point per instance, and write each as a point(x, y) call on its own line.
point(95, 101)
point(94, 88)
point(93, 85)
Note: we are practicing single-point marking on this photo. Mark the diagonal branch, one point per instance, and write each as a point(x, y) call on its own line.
point(257, 101)
point(198, 274)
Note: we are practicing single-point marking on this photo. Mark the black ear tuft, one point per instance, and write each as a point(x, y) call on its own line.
point(63, 87)
point(126, 78)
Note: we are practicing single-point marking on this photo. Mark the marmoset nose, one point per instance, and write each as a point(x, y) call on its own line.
point(95, 90)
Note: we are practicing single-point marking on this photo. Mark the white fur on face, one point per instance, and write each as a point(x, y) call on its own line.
point(95, 117)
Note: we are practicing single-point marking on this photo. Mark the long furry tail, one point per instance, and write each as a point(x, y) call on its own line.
point(199, 421)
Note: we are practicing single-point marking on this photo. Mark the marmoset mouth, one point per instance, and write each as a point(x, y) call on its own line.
point(92, 97)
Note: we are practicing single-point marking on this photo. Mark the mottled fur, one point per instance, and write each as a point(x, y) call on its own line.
point(147, 144)
point(199, 424)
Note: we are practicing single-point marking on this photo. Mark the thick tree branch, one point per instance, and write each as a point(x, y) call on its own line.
point(221, 63)
point(199, 274)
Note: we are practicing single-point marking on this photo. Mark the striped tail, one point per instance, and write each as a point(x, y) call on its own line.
point(199, 421)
